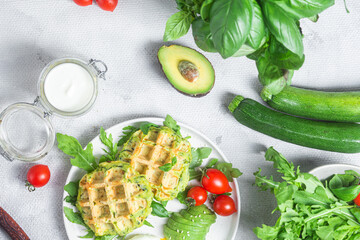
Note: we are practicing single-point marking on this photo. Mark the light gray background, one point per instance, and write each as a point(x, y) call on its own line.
point(32, 33)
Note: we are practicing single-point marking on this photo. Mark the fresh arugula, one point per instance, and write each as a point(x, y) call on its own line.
point(72, 189)
point(309, 208)
point(127, 133)
point(159, 210)
point(111, 146)
point(144, 127)
point(168, 166)
point(171, 123)
point(83, 159)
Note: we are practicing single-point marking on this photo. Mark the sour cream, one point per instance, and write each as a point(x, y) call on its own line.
point(69, 87)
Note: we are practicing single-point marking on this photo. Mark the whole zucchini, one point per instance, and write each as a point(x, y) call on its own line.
point(330, 136)
point(328, 106)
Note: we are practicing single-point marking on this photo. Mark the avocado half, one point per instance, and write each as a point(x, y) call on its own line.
point(187, 70)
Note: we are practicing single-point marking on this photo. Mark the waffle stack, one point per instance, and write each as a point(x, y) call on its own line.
point(147, 152)
point(113, 200)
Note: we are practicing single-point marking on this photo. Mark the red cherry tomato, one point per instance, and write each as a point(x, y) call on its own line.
point(199, 194)
point(357, 200)
point(224, 205)
point(215, 181)
point(38, 176)
point(83, 2)
point(107, 5)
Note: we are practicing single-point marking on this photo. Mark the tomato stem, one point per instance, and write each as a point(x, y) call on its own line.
point(29, 186)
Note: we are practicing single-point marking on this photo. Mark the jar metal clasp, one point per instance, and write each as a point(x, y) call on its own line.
point(100, 70)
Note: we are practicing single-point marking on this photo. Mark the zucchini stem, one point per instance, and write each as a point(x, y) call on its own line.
point(235, 103)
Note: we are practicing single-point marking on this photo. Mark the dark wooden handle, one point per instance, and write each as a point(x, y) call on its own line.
point(11, 227)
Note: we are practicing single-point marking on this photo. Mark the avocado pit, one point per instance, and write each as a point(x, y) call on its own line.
point(189, 71)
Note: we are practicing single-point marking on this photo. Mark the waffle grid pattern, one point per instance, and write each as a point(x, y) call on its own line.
point(108, 200)
point(155, 149)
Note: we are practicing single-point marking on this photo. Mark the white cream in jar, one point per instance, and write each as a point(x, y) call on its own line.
point(69, 87)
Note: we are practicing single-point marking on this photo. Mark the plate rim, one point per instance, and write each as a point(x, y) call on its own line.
point(155, 119)
point(332, 165)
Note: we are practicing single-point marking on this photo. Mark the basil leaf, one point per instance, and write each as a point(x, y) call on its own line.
point(171, 123)
point(212, 162)
point(304, 8)
point(198, 155)
point(177, 25)
point(82, 158)
point(202, 35)
point(205, 10)
point(127, 132)
point(166, 167)
point(230, 23)
point(257, 35)
point(271, 76)
point(228, 170)
point(144, 127)
point(283, 57)
point(159, 210)
point(283, 27)
point(345, 186)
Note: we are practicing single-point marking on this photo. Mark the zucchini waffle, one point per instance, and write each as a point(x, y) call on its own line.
point(112, 200)
point(147, 152)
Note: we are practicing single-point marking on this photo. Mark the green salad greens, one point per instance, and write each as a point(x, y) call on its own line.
point(310, 208)
point(267, 31)
point(84, 159)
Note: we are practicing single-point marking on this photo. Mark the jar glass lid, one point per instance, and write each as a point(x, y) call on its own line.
point(26, 132)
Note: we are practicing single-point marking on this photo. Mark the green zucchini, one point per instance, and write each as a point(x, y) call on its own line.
point(330, 136)
point(328, 106)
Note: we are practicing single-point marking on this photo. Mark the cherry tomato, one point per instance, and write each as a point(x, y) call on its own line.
point(357, 200)
point(215, 181)
point(107, 5)
point(83, 2)
point(38, 176)
point(224, 205)
point(199, 194)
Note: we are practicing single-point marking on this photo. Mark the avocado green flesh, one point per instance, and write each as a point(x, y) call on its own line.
point(170, 57)
point(176, 225)
point(203, 218)
point(191, 223)
point(182, 235)
point(180, 219)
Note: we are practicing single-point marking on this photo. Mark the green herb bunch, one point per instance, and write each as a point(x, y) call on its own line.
point(309, 208)
point(267, 31)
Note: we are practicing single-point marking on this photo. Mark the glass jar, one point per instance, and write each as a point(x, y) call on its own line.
point(26, 131)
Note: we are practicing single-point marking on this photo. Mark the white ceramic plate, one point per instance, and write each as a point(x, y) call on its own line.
point(225, 227)
point(326, 171)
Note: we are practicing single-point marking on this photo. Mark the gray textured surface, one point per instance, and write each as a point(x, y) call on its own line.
point(33, 33)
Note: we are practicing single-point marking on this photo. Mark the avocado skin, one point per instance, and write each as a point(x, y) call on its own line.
point(191, 223)
point(182, 92)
